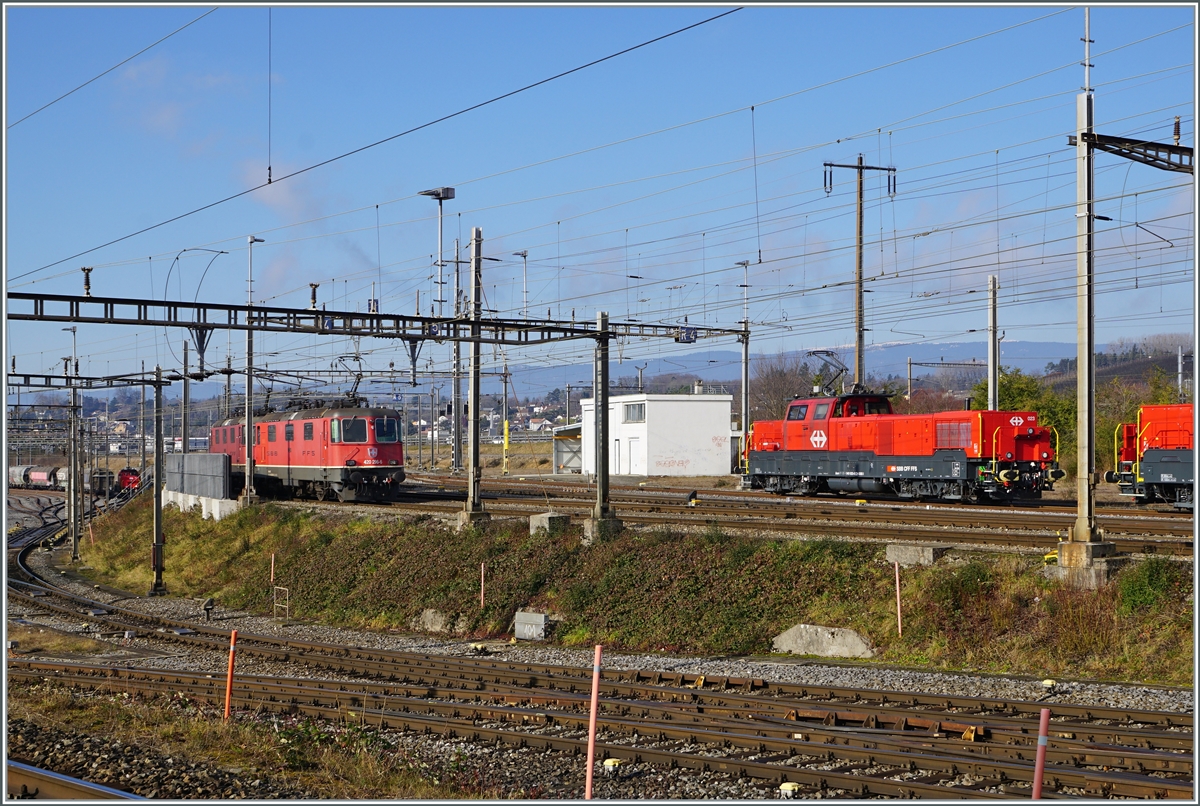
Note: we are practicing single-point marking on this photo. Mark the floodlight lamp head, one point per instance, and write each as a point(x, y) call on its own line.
point(522, 253)
point(441, 194)
point(252, 239)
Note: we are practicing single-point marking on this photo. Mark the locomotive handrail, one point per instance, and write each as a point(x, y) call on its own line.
point(995, 452)
point(1054, 431)
point(1117, 448)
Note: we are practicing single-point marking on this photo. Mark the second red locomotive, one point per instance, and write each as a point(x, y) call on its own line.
point(1154, 456)
point(352, 454)
point(853, 443)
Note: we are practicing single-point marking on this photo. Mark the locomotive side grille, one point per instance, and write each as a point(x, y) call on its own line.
point(953, 435)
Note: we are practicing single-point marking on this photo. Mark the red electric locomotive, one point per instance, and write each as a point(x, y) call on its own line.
point(1154, 456)
point(853, 443)
point(353, 454)
point(128, 478)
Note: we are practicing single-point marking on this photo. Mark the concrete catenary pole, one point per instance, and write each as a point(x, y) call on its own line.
point(141, 430)
point(456, 390)
point(156, 549)
point(744, 338)
point(249, 493)
point(475, 473)
point(859, 367)
point(993, 347)
point(601, 511)
point(1085, 401)
point(187, 400)
point(73, 479)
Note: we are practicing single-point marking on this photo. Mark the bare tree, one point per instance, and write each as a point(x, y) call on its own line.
point(778, 380)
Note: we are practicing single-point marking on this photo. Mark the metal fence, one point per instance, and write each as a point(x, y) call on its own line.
point(205, 474)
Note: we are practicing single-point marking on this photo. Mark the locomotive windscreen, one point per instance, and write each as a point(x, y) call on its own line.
point(354, 430)
point(385, 429)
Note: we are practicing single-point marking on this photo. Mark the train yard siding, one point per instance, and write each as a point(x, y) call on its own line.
point(658, 588)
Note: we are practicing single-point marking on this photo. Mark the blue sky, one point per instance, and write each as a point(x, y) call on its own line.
point(677, 182)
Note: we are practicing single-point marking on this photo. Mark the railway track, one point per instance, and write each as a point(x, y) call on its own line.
point(1134, 533)
point(827, 741)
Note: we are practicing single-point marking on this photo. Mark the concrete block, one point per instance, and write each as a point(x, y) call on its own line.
point(1077, 554)
point(596, 529)
point(431, 620)
point(909, 554)
point(552, 522)
point(827, 642)
point(530, 626)
point(465, 520)
point(1089, 577)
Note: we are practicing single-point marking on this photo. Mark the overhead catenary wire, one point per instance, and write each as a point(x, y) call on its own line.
point(109, 70)
point(404, 133)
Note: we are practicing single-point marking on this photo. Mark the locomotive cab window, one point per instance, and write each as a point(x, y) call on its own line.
point(797, 412)
point(821, 412)
point(308, 431)
point(879, 405)
point(289, 432)
point(385, 429)
point(270, 433)
point(354, 429)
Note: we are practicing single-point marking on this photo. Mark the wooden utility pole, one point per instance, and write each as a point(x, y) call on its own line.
point(859, 329)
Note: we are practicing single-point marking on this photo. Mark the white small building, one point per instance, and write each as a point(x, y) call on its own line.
point(662, 435)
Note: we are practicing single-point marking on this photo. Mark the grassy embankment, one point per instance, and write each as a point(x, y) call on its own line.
point(704, 592)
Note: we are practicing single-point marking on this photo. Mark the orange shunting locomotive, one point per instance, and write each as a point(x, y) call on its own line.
point(1154, 456)
point(854, 443)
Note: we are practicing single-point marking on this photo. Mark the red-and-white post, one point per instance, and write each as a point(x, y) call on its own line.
point(229, 677)
point(272, 568)
point(1039, 766)
point(899, 623)
point(481, 565)
point(591, 757)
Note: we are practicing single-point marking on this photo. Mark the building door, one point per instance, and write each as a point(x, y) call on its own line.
point(637, 459)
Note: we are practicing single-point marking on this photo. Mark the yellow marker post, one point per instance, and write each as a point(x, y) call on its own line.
point(505, 466)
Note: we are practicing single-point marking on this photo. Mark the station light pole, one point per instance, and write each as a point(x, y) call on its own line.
point(443, 194)
point(524, 255)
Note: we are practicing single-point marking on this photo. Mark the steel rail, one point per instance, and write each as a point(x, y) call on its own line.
point(27, 781)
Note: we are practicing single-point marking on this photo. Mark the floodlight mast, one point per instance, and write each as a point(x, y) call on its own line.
point(441, 194)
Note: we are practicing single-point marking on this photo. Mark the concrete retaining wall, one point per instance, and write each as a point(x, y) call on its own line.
point(204, 474)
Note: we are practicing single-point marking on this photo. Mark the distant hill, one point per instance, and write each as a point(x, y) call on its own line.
point(1137, 370)
point(725, 365)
